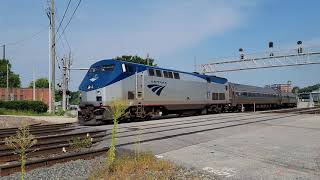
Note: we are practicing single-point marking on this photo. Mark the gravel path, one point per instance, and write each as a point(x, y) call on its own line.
point(14, 121)
point(80, 169)
point(8, 121)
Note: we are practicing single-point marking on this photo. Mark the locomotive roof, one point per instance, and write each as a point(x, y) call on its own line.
point(215, 79)
point(248, 88)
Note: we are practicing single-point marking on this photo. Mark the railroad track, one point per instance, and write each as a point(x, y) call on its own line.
point(52, 140)
point(164, 129)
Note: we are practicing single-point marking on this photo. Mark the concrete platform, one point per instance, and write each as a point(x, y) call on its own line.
point(232, 145)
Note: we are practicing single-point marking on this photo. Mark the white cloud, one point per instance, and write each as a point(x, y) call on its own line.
point(171, 26)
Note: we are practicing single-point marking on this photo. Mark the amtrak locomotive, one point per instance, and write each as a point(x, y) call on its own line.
point(153, 91)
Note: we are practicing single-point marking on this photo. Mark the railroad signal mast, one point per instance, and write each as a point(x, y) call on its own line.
point(271, 59)
point(66, 63)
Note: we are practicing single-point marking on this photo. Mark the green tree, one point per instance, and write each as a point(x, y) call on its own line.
point(309, 88)
point(40, 83)
point(295, 89)
point(74, 97)
point(14, 79)
point(136, 59)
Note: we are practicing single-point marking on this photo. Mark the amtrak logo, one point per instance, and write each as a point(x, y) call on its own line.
point(94, 78)
point(156, 88)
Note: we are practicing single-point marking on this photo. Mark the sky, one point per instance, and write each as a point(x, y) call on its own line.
point(173, 32)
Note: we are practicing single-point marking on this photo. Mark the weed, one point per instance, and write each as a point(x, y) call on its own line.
point(60, 112)
point(118, 108)
point(21, 143)
point(78, 143)
point(127, 166)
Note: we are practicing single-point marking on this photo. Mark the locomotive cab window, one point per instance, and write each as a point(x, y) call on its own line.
point(107, 68)
point(176, 75)
point(158, 73)
point(93, 69)
point(129, 68)
point(151, 72)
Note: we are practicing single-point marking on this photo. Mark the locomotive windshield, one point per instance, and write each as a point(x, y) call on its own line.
point(104, 68)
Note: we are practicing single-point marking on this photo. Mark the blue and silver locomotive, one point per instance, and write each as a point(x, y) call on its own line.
point(154, 91)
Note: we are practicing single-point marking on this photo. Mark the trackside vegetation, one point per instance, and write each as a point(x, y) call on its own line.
point(118, 108)
point(21, 143)
point(31, 106)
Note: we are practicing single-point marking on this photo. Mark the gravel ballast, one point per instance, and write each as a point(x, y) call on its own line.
point(81, 169)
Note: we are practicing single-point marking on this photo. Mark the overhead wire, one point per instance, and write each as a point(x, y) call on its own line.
point(70, 19)
point(25, 39)
point(64, 14)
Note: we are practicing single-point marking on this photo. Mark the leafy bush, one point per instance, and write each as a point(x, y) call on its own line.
point(36, 106)
point(60, 112)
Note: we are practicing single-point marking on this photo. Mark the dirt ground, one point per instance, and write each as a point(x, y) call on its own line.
point(16, 121)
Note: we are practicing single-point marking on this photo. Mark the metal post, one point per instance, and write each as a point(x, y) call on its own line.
point(34, 86)
point(64, 83)
point(68, 77)
point(254, 106)
point(7, 90)
point(4, 52)
point(195, 63)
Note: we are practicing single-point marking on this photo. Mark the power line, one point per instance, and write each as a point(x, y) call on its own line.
point(26, 39)
point(64, 14)
point(70, 18)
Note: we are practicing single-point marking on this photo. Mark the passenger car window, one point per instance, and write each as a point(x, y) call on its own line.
point(151, 72)
point(176, 75)
point(215, 96)
point(165, 74)
point(222, 96)
point(158, 73)
point(170, 75)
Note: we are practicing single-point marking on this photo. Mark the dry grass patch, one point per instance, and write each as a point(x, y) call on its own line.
point(144, 166)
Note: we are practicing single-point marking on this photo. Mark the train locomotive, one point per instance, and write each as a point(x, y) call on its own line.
point(153, 91)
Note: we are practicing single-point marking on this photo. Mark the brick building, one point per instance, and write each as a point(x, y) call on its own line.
point(282, 87)
point(42, 94)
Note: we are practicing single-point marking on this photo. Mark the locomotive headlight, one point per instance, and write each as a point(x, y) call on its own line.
point(99, 93)
point(90, 87)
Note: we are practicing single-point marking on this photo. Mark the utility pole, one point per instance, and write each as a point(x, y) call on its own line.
point(51, 15)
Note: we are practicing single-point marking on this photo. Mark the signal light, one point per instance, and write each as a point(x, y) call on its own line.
point(241, 53)
point(270, 44)
point(299, 43)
